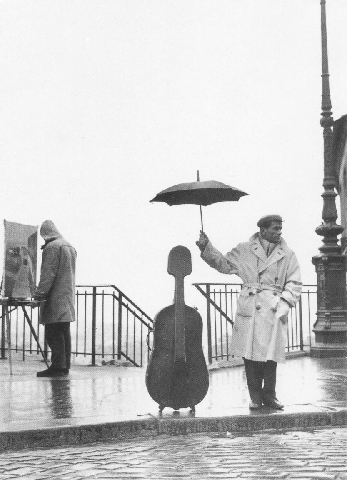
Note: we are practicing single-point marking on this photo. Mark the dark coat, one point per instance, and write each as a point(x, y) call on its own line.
point(57, 281)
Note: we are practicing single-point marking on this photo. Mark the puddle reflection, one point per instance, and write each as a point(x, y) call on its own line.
point(61, 403)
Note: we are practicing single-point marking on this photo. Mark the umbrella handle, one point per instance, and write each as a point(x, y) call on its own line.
point(202, 225)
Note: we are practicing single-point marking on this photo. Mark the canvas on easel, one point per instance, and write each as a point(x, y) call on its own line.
point(19, 276)
point(20, 260)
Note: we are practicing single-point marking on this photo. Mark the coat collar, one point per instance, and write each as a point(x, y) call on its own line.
point(280, 250)
point(49, 240)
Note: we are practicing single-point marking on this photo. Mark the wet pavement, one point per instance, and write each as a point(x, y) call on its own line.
point(111, 395)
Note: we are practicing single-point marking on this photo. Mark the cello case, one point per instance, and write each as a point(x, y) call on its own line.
point(177, 374)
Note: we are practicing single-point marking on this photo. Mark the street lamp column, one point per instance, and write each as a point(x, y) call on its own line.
point(330, 329)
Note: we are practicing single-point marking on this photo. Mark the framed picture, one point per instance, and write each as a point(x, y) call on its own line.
point(20, 260)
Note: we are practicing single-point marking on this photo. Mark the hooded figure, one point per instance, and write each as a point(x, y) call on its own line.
point(57, 289)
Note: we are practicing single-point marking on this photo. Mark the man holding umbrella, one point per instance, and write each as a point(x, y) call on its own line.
point(271, 286)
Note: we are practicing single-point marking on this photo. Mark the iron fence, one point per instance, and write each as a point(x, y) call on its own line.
point(109, 325)
point(221, 302)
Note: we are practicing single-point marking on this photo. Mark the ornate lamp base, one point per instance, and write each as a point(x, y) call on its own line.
point(330, 328)
point(331, 345)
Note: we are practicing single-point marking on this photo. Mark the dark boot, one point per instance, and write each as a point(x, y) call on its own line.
point(253, 384)
point(269, 390)
point(51, 372)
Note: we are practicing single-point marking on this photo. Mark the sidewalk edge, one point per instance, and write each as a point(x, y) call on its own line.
point(135, 429)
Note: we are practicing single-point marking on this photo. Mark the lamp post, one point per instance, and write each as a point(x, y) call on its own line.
point(330, 329)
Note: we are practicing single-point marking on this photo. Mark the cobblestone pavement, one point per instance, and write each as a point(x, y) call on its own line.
point(317, 454)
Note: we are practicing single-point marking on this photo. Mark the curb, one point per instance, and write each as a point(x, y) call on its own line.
point(257, 423)
point(136, 429)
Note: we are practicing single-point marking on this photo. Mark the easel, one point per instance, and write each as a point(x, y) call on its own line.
point(7, 303)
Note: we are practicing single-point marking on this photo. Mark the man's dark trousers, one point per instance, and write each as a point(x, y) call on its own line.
point(256, 373)
point(59, 341)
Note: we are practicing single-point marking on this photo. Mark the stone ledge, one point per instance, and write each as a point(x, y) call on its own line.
point(77, 435)
point(253, 423)
point(126, 430)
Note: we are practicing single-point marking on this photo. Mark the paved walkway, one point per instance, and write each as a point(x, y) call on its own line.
point(310, 455)
point(105, 402)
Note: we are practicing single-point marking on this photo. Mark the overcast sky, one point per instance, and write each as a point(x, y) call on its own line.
point(104, 103)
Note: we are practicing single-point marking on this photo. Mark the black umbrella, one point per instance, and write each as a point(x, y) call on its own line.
point(199, 193)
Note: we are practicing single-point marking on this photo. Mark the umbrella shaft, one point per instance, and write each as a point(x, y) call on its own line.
point(202, 225)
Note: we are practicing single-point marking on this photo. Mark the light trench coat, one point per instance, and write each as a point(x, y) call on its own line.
point(260, 330)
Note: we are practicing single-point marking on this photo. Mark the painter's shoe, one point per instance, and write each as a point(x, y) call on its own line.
point(50, 372)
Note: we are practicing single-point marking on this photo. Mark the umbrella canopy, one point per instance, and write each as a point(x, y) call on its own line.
point(199, 193)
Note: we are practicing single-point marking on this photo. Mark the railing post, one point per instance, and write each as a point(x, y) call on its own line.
point(24, 340)
point(209, 333)
point(3, 334)
point(119, 347)
point(93, 326)
point(300, 325)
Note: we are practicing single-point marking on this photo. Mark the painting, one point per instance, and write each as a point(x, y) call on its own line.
point(20, 260)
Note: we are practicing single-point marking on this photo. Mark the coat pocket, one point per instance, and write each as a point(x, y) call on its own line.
point(245, 305)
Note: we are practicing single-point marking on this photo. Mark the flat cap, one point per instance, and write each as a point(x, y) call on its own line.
point(269, 218)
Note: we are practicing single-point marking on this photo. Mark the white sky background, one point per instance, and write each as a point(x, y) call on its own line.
point(106, 103)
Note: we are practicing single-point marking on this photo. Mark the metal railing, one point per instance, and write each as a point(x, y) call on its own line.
point(109, 325)
point(221, 302)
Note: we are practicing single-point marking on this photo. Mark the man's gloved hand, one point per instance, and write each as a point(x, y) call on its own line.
point(203, 241)
point(282, 310)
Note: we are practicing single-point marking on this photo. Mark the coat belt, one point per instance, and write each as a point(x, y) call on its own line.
point(253, 288)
